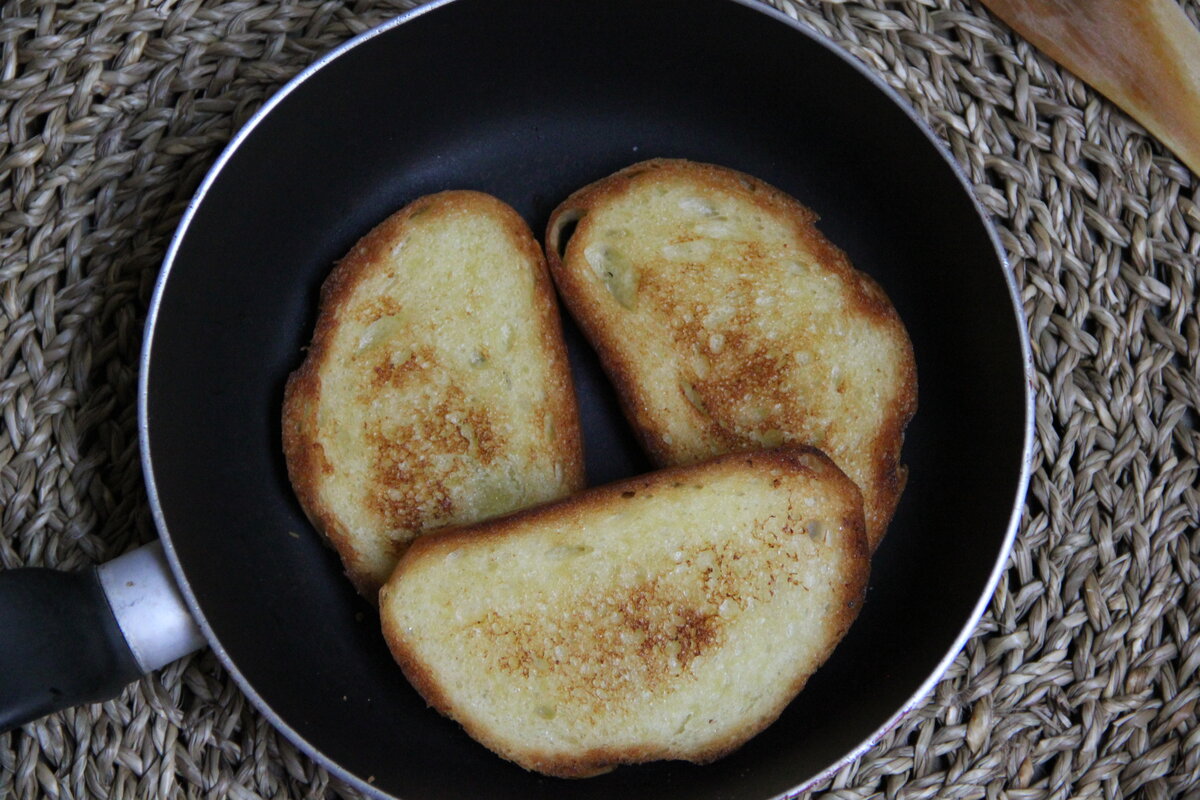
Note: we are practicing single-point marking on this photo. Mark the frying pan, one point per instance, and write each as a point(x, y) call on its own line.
point(528, 101)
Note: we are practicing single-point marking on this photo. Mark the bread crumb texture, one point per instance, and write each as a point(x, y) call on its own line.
point(668, 618)
point(436, 384)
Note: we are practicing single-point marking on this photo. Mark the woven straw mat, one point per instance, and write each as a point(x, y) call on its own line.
point(1081, 680)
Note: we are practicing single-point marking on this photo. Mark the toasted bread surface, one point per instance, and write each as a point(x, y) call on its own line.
point(671, 616)
point(727, 321)
point(436, 389)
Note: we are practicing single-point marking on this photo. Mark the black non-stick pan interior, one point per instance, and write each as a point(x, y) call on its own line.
point(530, 100)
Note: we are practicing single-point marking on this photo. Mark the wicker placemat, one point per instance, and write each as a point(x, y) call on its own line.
point(1082, 677)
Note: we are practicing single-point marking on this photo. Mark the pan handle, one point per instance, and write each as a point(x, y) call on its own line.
point(68, 638)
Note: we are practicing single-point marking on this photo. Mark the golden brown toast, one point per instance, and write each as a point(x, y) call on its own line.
point(727, 322)
point(670, 616)
point(436, 390)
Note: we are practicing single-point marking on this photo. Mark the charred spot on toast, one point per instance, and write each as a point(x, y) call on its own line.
point(395, 368)
point(377, 308)
point(462, 437)
point(654, 636)
point(393, 498)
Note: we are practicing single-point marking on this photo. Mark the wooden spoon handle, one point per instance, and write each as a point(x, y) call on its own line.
point(1144, 55)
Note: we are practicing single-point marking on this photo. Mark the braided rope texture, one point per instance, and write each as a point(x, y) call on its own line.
point(1081, 679)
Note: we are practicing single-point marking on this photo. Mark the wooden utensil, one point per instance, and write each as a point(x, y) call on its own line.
point(1144, 55)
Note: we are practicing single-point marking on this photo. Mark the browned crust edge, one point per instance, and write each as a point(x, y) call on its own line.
point(792, 457)
point(305, 458)
point(890, 476)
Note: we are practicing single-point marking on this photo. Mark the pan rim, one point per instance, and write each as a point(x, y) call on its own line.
point(987, 592)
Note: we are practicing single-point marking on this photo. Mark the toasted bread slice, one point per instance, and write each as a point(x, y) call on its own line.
point(727, 321)
point(671, 616)
point(436, 390)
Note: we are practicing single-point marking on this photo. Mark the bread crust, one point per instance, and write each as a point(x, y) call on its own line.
point(310, 466)
point(579, 509)
point(713, 428)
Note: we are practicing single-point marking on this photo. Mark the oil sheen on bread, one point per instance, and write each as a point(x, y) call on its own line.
point(669, 616)
point(436, 389)
point(727, 321)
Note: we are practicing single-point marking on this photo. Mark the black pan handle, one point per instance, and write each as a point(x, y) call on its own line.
point(68, 638)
